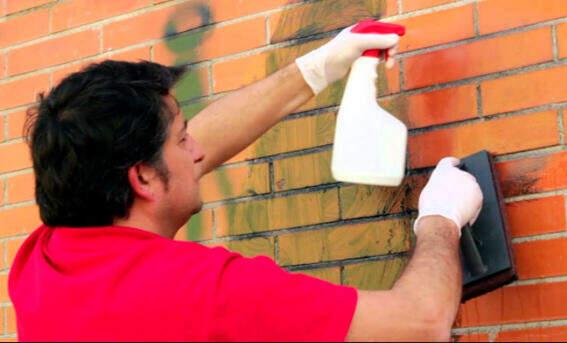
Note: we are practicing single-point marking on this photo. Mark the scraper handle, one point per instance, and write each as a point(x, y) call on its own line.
point(374, 26)
point(470, 252)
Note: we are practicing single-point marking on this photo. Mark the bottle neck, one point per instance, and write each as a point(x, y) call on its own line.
point(363, 74)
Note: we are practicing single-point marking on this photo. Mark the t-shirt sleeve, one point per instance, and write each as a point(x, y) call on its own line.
point(256, 300)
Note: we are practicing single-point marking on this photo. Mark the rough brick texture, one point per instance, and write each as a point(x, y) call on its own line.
point(473, 75)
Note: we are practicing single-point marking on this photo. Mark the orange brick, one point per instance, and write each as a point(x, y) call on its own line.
point(2, 66)
point(16, 123)
point(388, 81)
point(2, 121)
point(132, 55)
point(12, 247)
point(349, 241)
point(236, 73)
point(562, 40)
point(437, 28)
point(499, 15)
point(436, 107)
point(54, 51)
point(537, 259)
point(292, 135)
point(4, 297)
point(414, 5)
point(533, 174)
point(549, 334)
point(474, 337)
point(532, 89)
point(322, 16)
point(235, 182)
point(14, 156)
point(468, 60)
point(75, 13)
point(516, 304)
point(213, 43)
point(9, 339)
point(199, 227)
point(365, 201)
point(22, 91)
point(536, 216)
point(2, 312)
point(152, 25)
point(222, 10)
point(20, 188)
point(19, 220)
point(277, 213)
point(512, 134)
point(11, 320)
point(2, 185)
point(13, 6)
point(303, 171)
point(24, 28)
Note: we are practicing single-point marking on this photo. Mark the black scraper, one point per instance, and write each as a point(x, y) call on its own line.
point(486, 249)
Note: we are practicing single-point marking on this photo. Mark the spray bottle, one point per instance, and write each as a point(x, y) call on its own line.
point(370, 143)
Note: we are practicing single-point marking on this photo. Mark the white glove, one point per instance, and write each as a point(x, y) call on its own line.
point(331, 62)
point(451, 193)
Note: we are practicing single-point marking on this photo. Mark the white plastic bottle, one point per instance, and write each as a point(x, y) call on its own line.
point(370, 144)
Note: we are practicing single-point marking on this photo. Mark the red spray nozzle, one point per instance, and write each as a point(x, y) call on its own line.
point(374, 26)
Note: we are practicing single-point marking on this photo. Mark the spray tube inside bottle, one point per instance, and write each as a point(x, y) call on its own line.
point(370, 143)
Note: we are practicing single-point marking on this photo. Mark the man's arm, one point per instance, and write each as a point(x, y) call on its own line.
point(423, 303)
point(233, 122)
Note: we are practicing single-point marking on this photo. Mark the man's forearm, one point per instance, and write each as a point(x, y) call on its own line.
point(434, 277)
point(233, 122)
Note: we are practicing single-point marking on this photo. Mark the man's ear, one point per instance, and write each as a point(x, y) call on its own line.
point(142, 179)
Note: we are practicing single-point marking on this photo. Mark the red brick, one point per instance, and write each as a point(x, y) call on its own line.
point(536, 216)
point(22, 91)
point(222, 10)
point(132, 55)
point(14, 156)
point(436, 107)
point(20, 188)
point(54, 51)
point(474, 337)
point(533, 174)
point(12, 247)
point(414, 5)
point(19, 220)
point(16, 123)
point(469, 60)
point(24, 28)
point(213, 43)
point(512, 134)
point(152, 25)
point(549, 334)
point(437, 28)
point(532, 89)
point(499, 15)
point(75, 13)
point(13, 6)
point(543, 258)
point(322, 16)
point(562, 40)
point(516, 304)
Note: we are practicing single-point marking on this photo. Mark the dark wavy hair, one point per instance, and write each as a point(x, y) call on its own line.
point(89, 130)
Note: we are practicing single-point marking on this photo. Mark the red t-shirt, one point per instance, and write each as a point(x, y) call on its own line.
point(125, 284)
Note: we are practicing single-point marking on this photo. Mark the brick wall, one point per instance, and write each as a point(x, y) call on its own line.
point(472, 75)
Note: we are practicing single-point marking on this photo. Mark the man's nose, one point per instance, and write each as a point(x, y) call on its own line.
point(198, 153)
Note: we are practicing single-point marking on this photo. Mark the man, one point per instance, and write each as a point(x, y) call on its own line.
point(117, 172)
